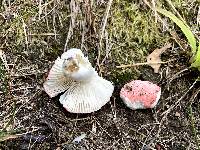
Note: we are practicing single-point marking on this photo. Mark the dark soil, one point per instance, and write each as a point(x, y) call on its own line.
point(47, 125)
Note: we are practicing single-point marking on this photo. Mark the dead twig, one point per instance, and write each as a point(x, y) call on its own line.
point(103, 30)
point(43, 34)
point(54, 19)
point(165, 114)
point(105, 20)
point(174, 9)
point(25, 32)
point(197, 91)
point(185, 93)
point(155, 12)
point(74, 12)
point(198, 17)
point(145, 63)
point(177, 74)
point(148, 136)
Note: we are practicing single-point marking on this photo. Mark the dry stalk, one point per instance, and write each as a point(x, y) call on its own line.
point(54, 19)
point(103, 30)
point(198, 17)
point(164, 24)
point(155, 12)
point(145, 63)
point(165, 113)
point(74, 11)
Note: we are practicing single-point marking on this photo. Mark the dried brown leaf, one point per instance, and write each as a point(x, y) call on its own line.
point(154, 58)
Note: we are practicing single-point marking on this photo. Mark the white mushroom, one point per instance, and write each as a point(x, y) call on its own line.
point(85, 91)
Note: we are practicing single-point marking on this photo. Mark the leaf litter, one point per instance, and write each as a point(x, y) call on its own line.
point(154, 58)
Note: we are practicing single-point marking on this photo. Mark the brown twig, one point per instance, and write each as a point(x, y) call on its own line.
point(43, 34)
point(177, 74)
point(54, 19)
point(155, 12)
point(145, 63)
point(198, 17)
point(185, 93)
point(74, 12)
point(103, 30)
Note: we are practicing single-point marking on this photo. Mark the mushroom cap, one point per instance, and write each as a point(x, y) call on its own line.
point(140, 94)
point(76, 66)
point(85, 91)
point(87, 97)
point(71, 53)
point(56, 81)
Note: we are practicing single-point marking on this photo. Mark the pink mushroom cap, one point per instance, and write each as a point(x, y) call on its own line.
point(140, 94)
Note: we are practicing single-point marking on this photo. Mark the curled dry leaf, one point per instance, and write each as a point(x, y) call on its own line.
point(154, 58)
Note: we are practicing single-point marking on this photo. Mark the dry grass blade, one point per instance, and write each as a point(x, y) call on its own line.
point(74, 7)
point(184, 28)
point(8, 137)
point(3, 58)
point(198, 17)
point(104, 22)
point(155, 12)
point(172, 6)
point(145, 63)
point(25, 32)
point(181, 98)
point(177, 75)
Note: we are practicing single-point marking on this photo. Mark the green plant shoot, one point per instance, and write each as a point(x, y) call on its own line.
point(189, 35)
point(196, 63)
point(185, 29)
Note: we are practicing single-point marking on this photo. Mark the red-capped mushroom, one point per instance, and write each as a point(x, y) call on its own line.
point(140, 94)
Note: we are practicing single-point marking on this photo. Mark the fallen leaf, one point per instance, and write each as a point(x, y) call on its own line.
point(154, 58)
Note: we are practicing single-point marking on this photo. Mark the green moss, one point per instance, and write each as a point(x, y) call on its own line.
point(131, 27)
point(134, 33)
point(123, 76)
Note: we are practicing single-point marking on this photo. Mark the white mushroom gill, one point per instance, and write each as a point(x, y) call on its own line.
point(85, 91)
